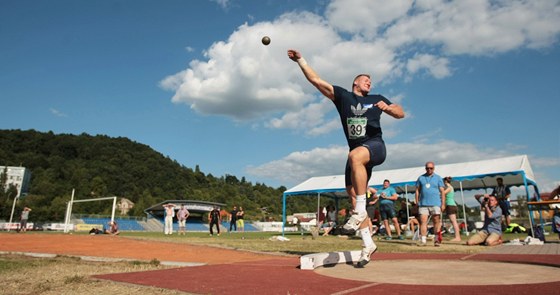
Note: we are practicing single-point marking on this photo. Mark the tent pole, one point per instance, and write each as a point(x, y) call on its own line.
point(407, 211)
point(318, 208)
point(531, 221)
point(283, 213)
point(464, 211)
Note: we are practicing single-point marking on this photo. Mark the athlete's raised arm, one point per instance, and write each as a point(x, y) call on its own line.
point(324, 87)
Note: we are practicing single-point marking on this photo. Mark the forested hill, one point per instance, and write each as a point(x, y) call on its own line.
point(101, 166)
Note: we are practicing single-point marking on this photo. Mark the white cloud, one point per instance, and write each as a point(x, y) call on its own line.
point(478, 27)
point(546, 162)
point(223, 3)
point(365, 17)
point(392, 40)
point(57, 112)
point(298, 166)
point(436, 66)
point(244, 79)
point(310, 120)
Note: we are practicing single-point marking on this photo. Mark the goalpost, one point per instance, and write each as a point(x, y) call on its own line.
point(72, 201)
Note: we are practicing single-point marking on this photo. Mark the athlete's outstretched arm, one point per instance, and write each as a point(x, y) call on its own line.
point(394, 110)
point(324, 87)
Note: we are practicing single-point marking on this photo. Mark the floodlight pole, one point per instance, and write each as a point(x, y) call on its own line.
point(114, 207)
point(12, 214)
point(68, 212)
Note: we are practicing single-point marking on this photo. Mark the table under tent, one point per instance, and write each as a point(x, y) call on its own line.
point(516, 171)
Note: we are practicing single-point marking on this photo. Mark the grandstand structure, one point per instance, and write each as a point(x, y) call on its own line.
point(155, 215)
point(198, 211)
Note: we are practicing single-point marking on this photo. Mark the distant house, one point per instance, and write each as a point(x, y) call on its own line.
point(18, 177)
point(125, 205)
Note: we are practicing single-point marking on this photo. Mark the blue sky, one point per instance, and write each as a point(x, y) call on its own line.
point(477, 79)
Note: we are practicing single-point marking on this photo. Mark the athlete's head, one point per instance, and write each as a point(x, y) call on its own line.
point(361, 84)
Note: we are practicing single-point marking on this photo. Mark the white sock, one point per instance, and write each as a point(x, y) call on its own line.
point(423, 239)
point(360, 203)
point(366, 237)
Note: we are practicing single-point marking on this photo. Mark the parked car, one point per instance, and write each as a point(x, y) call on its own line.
point(515, 228)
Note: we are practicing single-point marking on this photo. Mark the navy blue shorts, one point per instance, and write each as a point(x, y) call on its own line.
point(377, 155)
point(387, 211)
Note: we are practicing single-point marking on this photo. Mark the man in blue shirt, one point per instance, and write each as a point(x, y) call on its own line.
point(431, 202)
point(388, 196)
point(491, 232)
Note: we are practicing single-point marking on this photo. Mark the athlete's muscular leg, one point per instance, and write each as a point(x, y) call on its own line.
point(358, 159)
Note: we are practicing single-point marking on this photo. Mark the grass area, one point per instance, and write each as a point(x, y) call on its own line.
point(69, 275)
point(304, 244)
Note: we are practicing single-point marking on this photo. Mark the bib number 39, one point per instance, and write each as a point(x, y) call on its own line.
point(356, 127)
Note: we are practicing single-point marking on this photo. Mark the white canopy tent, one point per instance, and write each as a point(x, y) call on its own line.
point(515, 170)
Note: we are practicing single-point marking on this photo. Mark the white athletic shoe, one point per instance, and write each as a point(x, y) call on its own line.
point(365, 255)
point(355, 220)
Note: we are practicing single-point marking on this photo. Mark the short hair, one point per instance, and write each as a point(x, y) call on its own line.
point(360, 75)
point(386, 180)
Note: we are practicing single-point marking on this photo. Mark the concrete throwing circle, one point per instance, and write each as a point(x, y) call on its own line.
point(444, 272)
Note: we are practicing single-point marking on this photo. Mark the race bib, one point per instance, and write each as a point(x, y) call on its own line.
point(356, 127)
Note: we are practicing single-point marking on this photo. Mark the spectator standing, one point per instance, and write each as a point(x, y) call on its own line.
point(214, 218)
point(502, 193)
point(182, 216)
point(491, 232)
point(23, 219)
point(451, 207)
point(233, 219)
point(169, 214)
point(387, 197)
point(240, 221)
point(431, 201)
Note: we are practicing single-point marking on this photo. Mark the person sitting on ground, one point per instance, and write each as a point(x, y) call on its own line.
point(330, 220)
point(113, 228)
point(95, 231)
point(413, 220)
point(402, 214)
point(491, 232)
point(321, 215)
